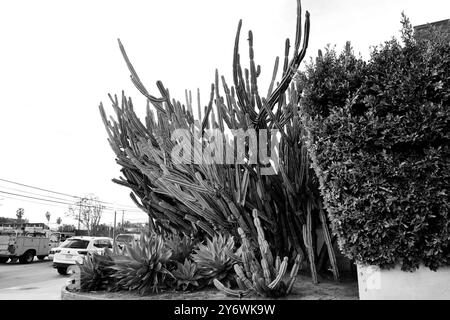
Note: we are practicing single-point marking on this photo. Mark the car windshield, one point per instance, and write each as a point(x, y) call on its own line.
point(124, 238)
point(75, 244)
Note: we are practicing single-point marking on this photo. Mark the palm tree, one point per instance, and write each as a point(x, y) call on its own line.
point(48, 215)
point(19, 214)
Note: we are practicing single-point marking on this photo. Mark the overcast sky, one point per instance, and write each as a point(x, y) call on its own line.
point(59, 59)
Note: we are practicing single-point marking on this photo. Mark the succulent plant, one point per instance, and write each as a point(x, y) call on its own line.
point(142, 267)
point(181, 246)
point(213, 259)
point(95, 273)
point(186, 275)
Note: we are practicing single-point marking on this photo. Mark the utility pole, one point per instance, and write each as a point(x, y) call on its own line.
point(123, 213)
point(114, 230)
point(79, 217)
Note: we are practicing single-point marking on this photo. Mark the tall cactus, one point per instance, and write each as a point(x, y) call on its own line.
point(210, 199)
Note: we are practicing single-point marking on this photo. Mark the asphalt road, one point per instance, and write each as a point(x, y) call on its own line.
point(35, 281)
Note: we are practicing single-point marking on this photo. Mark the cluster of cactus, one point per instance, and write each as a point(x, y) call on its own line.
point(207, 200)
point(264, 278)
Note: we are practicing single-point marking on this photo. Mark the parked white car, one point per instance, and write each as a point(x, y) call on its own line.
point(127, 239)
point(74, 250)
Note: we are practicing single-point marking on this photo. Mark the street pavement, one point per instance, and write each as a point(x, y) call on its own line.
point(35, 281)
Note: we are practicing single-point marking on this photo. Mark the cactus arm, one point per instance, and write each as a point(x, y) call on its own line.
point(293, 275)
point(243, 278)
point(237, 293)
point(277, 263)
point(329, 244)
point(266, 271)
point(307, 234)
point(280, 275)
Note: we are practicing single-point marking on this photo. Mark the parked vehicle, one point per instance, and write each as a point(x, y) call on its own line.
point(126, 239)
point(56, 239)
point(24, 246)
point(74, 250)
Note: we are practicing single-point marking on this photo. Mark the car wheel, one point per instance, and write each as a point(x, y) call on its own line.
point(41, 257)
point(62, 270)
point(4, 259)
point(27, 257)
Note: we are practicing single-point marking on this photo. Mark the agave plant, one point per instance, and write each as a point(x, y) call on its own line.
point(181, 246)
point(186, 275)
point(142, 267)
point(95, 272)
point(214, 260)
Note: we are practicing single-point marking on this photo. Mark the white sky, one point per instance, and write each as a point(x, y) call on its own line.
point(59, 59)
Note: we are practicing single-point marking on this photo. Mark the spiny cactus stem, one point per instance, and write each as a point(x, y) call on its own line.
point(243, 278)
point(294, 273)
point(277, 263)
point(237, 293)
point(280, 275)
point(329, 244)
point(266, 271)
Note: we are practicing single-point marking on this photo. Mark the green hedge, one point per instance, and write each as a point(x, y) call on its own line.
point(379, 139)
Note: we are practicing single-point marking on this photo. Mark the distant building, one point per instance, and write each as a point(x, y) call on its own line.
point(6, 226)
point(423, 30)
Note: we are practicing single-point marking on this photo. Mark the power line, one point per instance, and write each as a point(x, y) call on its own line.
point(19, 195)
point(50, 204)
point(33, 193)
point(60, 193)
point(54, 201)
point(31, 201)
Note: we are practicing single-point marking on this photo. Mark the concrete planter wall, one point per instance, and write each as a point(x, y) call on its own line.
point(68, 295)
point(394, 284)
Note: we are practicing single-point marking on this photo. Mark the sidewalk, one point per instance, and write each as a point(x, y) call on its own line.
point(47, 290)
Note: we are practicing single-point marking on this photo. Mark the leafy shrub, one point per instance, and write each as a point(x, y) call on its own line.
point(331, 80)
point(381, 150)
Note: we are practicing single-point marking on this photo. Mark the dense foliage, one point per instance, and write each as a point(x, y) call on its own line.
point(379, 139)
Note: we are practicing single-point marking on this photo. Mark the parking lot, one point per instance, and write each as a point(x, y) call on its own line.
point(35, 281)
